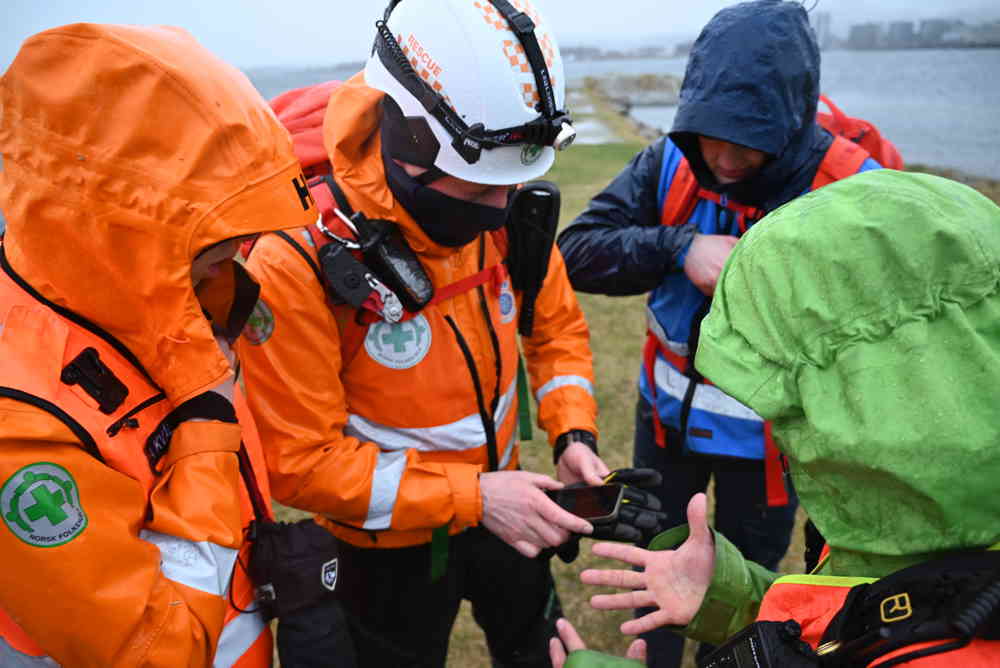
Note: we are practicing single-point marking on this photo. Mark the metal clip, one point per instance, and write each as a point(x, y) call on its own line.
point(392, 308)
point(346, 243)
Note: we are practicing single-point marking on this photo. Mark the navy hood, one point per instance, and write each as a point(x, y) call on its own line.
point(753, 79)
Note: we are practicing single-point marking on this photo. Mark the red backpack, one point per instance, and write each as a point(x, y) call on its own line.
point(861, 132)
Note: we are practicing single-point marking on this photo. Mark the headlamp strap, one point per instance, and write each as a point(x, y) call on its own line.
point(524, 28)
point(465, 140)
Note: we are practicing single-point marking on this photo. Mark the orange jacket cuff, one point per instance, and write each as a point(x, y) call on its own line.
point(467, 499)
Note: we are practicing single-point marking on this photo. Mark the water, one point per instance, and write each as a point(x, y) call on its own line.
point(271, 81)
point(940, 107)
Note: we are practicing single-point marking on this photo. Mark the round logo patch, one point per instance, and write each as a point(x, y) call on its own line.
point(530, 154)
point(508, 307)
point(41, 504)
point(399, 345)
point(260, 325)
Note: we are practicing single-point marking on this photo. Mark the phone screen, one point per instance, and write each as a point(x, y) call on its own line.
point(590, 503)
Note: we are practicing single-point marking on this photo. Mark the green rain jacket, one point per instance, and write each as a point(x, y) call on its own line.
point(864, 320)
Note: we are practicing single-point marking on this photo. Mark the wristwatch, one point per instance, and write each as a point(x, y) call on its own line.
point(581, 435)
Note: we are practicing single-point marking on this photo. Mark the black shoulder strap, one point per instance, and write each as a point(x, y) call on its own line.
point(338, 195)
point(305, 256)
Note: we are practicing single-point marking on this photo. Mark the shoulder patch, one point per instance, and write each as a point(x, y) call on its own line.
point(260, 325)
point(399, 345)
point(40, 504)
point(508, 305)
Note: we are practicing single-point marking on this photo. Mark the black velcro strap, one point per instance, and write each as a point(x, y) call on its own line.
point(694, 378)
point(96, 379)
point(207, 406)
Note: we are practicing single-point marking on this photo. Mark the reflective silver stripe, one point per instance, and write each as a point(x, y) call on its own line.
point(11, 658)
point(385, 489)
point(706, 397)
point(463, 434)
point(237, 637)
point(508, 452)
point(563, 381)
point(676, 347)
point(200, 565)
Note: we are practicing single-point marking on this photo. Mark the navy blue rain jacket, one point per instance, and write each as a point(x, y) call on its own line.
point(752, 79)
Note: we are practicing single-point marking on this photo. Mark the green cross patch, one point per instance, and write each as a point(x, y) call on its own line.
point(399, 345)
point(40, 504)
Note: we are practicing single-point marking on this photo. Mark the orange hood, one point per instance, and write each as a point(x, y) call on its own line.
point(353, 142)
point(127, 151)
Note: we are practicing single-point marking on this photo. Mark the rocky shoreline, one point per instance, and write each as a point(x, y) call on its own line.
point(622, 93)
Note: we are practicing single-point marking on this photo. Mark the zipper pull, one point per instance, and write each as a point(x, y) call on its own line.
point(124, 423)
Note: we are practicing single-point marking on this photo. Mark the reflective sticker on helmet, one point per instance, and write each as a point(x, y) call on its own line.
point(495, 19)
point(40, 504)
point(399, 345)
point(530, 154)
point(260, 325)
point(423, 64)
point(508, 306)
point(514, 50)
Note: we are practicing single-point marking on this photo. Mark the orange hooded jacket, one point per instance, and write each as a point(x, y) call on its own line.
point(378, 427)
point(127, 151)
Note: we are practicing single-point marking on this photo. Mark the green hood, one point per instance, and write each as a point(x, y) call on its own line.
point(864, 320)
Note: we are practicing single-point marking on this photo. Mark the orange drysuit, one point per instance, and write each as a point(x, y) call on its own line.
point(126, 152)
point(379, 428)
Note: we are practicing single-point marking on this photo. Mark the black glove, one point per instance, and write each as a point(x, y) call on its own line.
point(639, 518)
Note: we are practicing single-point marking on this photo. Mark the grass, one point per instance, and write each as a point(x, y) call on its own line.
point(617, 328)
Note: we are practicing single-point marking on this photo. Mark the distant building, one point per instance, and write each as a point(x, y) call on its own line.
point(581, 53)
point(901, 35)
point(822, 25)
point(934, 32)
point(865, 36)
point(987, 34)
point(652, 52)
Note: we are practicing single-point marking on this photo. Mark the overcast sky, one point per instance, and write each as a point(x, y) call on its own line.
point(252, 33)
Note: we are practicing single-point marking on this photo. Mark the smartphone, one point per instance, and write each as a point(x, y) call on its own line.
point(594, 503)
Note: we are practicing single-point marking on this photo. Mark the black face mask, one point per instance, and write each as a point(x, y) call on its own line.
point(448, 221)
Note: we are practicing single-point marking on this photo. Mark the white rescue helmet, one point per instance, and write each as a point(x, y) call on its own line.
point(479, 84)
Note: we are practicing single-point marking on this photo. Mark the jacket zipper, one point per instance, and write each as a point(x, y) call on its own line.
point(128, 420)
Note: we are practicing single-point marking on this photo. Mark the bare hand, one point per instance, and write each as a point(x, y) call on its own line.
point(705, 259)
point(578, 463)
point(570, 641)
point(516, 509)
point(674, 581)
